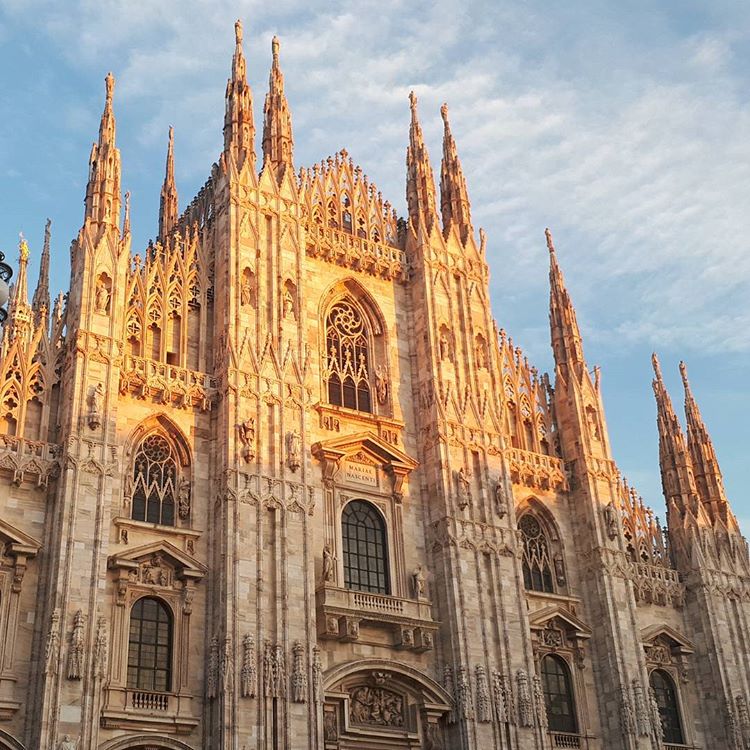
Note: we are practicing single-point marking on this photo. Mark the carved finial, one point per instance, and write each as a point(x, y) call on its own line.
point(444, 112)
point(23, 247)
point(109, 82)
point(683, 372)
point(548, 235)
point(275, 44)
point(656, 366)
point(238, 31)
point(412, 101)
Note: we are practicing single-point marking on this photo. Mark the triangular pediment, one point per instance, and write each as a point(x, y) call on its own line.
point(651, 633)
point(183, 564)
point(17, 541)
point(540, 617)
point(370, 446)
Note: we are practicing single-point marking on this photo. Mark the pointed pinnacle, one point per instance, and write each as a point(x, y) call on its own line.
point(550, 244)
point(109, 83)
point(683, 373)
point(238, 31)
point(275, 44)
point(657, 367)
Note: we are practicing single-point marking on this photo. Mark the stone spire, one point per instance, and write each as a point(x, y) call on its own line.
point(239, 130)
point(676, 467)
point(705, 463)
point(567, 344)
point(454, 198)
point(41, 300)
point(168, 206)
point(420, 182)
point(19, 311)
point(103, 189)
point(278, 142)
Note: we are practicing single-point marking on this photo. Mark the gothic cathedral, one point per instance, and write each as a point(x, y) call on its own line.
point(279, 482)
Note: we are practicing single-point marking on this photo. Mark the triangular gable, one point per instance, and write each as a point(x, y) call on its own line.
point(20, 543)
point(540, 617)
point(650, 634)
point(186, 565)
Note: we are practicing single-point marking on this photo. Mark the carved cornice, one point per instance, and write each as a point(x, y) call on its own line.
point(536, 470)
point(29, 460)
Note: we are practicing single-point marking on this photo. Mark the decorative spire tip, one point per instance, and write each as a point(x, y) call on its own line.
point(550, 245)
point(238, 31)
point(413, 101)
point(444, 112)
point(656, 366)
point(275, 44)
point(683, 372)
point(109, 83)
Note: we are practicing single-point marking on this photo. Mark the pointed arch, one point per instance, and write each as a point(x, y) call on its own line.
point(543, 563)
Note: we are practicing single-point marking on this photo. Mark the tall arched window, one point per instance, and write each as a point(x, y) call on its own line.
point(365, 548)
point(537, 566)
point(150, 646)
point(155, 481)
point(558, 695)
point(347, 358)
point(666, 699)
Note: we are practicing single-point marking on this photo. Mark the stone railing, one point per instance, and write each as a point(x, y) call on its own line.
point(535, 470)
point(145, 700)
point(357, 253)
point(377, 602)
point(29, 460)
point(657, 584)
point(563, 739)
point(167, 384)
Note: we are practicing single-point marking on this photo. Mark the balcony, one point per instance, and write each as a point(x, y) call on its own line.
point(563, 739)
point(148, 710)
point(144, 700)
point(341, 611)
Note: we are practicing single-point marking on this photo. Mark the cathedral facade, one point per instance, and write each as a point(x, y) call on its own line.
point(279, 482)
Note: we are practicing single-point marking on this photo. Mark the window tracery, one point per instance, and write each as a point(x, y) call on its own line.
point(347, 366)
point(156, 485)
point(537, 557)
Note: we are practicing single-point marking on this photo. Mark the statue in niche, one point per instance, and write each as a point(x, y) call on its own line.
point(68, 743)
point(464, 487)
point(246, 431)
point(329, 563)
point(96, 397)
point(101, 297)
point(610, 520)
point(501, 506)
point(381, 384)
point(246, 291)
point(288, 303)
point(481, 354)
point(445, 346)
point(418, 583)
point(183, 500)
point(294, 450)
point(592, 422)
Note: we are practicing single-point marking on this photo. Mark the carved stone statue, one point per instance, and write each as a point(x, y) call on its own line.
point(96, 399)
point(246, 292)
point(75, 656)
point(501, 505)
point(288, 304)
point(101, 297)
point(294, 450)
point(68, 743)
point(183, 499)
point(480, 355)
point(418, 583)
point(381, 384)
point(610, 520)
point(445, 346)
point(464, 487)
point(329, 563)
point(246, 431)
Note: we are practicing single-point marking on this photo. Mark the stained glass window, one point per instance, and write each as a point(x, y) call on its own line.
point(537, 567)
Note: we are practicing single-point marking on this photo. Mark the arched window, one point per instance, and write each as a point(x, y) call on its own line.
point(150, 646)
point(558, 695)
point(154, 481)
point(537, 567)
point(347, 357)
point(666, 699)
point(365, 548)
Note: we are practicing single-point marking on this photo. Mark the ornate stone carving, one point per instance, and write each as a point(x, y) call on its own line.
point(329, 563)
point(213, 668)
point(299, 673)
point(551, 636)
point(539, 704)
point(501, 503)
point(451, 690)
point(642, 717)
point(226, 666)
point(610, 520)
point(376, 706)
point(68, 743)
point(463, 487)
point(274, 671)
point(183, 499)
point(464, 701)
point(246, 432)
point(52, 645)
point(294, 450)
point(95, 401)
point(525, 705)
point(330, 724)
point(484, 704)
point(75, 655)
point(249, 673)
point(418, 583)
point(381, 384)
point(153, 572)
point(317, 676)
point(101, 649)
point(734, 733)
point(627, 715)
point(502, 693)
point(657, 728)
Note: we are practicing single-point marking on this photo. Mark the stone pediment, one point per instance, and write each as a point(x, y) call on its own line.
point(541, 617)
point(368, 449)
point(16, 542)
point(160, 555)
point(664, 632)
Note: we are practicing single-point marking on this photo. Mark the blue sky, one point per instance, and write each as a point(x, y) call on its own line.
point(623, 127)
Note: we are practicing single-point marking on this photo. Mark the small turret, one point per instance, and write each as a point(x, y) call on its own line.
point(168, 206)
point(239, 128)
point(420, 182)
point(454, 197)
point(103, 188)
point(278, 142)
